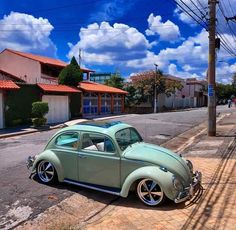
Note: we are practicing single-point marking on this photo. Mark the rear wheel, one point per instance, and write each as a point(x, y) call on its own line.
point(150, 193)
point(46, 172)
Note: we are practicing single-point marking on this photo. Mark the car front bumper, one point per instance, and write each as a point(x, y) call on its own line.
point(189, 192)
point(30, 162)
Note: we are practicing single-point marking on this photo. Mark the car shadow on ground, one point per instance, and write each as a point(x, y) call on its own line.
point(131, 201)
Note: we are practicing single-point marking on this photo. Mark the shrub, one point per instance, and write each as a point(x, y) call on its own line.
point(17, 122)
point(37, 122)
point(39, 109)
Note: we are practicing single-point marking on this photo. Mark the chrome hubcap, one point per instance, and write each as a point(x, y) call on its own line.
point(150, 192)
point(45, 171)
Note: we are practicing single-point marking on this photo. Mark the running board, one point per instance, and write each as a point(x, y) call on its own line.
point(91, 187)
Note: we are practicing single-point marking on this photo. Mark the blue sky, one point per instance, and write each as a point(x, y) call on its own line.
point(128, 36)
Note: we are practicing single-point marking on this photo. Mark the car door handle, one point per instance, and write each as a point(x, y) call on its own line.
point(82, 156)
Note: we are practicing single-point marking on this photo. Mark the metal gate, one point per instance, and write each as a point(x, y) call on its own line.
point(90, 104)
point(106, 104)
point(117, 103)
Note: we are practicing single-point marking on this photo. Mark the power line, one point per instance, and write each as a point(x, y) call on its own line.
point(200, 3)
point(203, 15)
point(226, 44)
point(64, 6)
point(187, 12)
point(85, 24)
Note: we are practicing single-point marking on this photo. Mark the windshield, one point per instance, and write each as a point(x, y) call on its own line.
point(126, 137)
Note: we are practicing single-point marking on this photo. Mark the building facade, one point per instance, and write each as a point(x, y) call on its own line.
point(88, 99)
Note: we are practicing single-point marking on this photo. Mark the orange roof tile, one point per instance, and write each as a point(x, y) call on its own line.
point(44, 60)
point(95, 87)
point(8, 85)
point(58, 88)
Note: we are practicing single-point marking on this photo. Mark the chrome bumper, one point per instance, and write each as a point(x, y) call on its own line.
point(189, 192)
point(30, 162)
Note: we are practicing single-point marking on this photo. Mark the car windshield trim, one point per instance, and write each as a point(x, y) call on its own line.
point(123, 143)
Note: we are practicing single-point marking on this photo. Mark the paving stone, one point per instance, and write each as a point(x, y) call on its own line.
point(212, 143)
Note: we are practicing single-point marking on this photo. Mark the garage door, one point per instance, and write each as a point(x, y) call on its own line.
point(58, 108)
point(1, 110)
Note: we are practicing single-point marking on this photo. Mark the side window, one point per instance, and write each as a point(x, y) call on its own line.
point(70, 140)
point(134, 136)
point(97, 142)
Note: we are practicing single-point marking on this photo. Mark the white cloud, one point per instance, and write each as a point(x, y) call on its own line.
point(173, 70)
point(168, 31)
point(120, 45)
point(104, 43)
point(24, 32)
point(225, 71)
point(187, 67)
point(200, 12)
point(190, 58)
point(186, 4)
point(110, 10)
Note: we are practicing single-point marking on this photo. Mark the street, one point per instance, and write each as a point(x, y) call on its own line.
point(22, 199)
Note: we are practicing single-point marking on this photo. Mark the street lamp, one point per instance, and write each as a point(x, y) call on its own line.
point(155, 90)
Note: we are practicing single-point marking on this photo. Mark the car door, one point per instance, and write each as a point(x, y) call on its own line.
point(67, 144)
point(98, 161)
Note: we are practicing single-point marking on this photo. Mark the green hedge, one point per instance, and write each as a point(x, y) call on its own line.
point(18, 105)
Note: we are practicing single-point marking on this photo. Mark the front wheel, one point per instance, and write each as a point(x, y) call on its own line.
point(46, 172)
point(150, 193)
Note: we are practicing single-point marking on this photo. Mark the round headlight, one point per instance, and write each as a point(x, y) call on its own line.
point(177, 184)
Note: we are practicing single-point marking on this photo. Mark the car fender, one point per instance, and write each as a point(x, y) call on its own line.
point(163, 178)
point(50, 156)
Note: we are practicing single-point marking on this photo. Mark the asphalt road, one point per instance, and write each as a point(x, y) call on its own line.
point(22, 198)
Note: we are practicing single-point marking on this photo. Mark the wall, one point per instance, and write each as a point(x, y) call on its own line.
point(1, 110)
point(18, 104)
point(24, 68)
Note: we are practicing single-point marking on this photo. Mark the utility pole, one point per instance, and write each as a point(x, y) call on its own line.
point(155, 91)
point(211, 70)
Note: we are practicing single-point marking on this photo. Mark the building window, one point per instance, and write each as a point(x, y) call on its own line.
point(90, 104)
point(117, 103)
point(106, 103)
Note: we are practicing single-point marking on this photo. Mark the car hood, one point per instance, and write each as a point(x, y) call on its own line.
point(159, 156)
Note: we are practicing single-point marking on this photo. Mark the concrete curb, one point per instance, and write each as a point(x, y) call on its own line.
point(13, 134)
point(21, 133)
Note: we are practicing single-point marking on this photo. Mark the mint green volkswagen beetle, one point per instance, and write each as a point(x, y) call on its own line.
point(112, 157)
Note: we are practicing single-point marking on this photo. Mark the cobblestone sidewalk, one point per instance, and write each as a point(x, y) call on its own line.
point(215, 206)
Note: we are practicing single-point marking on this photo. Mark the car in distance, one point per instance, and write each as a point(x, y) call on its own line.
point(112, 157)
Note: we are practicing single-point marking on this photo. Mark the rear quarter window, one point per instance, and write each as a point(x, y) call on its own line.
point(69, 140)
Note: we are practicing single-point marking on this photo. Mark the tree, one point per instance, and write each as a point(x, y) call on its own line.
point(224, 91)
point(71, 75)
point(115, 81)
point(145, 84)
point(134, 96)
point(234, 81)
